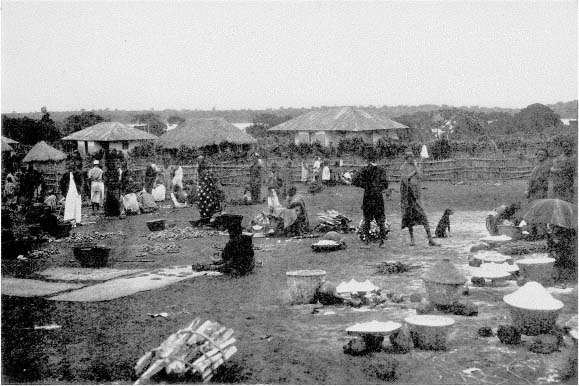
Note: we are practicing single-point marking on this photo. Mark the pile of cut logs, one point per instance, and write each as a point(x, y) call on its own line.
point(200, 348)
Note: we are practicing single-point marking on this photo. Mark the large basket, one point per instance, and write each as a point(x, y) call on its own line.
point(91, 256)
point(156, 225)
point(442, 294)
point(533, 322)
point(539, 270)
point(510, 230)
point(429, 337)
point(304, 284)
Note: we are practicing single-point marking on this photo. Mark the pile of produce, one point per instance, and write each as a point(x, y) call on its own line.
point(160, 249)
point(180, 234)
point(374, 233)
point(43, 253)
point(332, 220)
point(387, 267)
point(91, 238)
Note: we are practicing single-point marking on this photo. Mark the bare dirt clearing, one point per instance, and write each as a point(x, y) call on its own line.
point(100, 342)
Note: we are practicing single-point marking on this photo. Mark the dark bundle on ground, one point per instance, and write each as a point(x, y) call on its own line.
point(522, 247)
point(390, 268)
point(315, 187)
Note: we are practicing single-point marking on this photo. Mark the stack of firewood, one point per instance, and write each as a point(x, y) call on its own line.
point(332, 220)
point(200, 349)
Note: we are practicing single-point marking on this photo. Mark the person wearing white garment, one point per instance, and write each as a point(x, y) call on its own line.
point(178, 179)
point(70, 184)
point(424, 152)
point(97, 187)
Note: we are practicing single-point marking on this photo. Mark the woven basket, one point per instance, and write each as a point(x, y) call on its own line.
point(533, 322)
point(91, 257)
point(509, 230)
point(428, 337)
point(541, 272)
point(156, 225)
point(442, 294)
point(304, 284)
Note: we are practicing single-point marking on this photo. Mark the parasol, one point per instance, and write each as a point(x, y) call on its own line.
point(551, 211)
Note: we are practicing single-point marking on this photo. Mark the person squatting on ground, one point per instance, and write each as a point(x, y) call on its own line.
point(413, 212)
point(97, 187)
point(296, 202)
point(238, 255)
point(373, 180)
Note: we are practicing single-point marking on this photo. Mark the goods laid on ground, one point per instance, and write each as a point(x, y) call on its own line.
point(374, 233)
point(156, 225)
point(43, 253)
point(372, 333)
point(521, 247)
point(159, 249)
point(180, 234)
point(92, 237)
point(391, 268)
point(443, 282)
point(534, 311)
point(356, 287)
point(496, 240)
point(332, 220)
point(198, 349)
point(328, 246)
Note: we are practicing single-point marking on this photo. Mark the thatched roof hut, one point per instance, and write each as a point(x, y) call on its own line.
point(109, 136)
point(43, 152)
point(204, 132)
point(330, 125)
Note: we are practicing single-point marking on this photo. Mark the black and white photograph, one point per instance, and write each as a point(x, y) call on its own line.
point(289, 192)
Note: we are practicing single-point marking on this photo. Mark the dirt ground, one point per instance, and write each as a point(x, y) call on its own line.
point(278, 343)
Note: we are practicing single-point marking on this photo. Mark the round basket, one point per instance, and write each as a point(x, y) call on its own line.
point(91, 257)
point(156, 225)
point(303, 285)
point(442, 294)
point(533, 322)
point(538, 269)
point(512, 231)
point(429, 332)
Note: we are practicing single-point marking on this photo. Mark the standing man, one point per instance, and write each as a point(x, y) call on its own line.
point(255, 179)
point(316, 169)
point(97, 187)
point(372, 179)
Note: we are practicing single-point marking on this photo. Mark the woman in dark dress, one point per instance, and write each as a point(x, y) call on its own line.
point(112, 180)
point(413, 212)
point(209, 199)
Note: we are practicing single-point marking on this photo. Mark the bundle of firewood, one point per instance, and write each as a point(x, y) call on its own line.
point(332, 220)
point(199, 349)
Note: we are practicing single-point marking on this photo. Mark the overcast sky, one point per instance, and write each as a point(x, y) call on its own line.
point(231, 55)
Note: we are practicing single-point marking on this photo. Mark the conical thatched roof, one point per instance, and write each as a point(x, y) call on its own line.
point(44, 152)
point(339, 119)
point(204, 132)
point(109, 132)
point(8, 140)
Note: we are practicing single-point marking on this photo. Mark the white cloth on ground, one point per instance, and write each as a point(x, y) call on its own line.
point(72, 203)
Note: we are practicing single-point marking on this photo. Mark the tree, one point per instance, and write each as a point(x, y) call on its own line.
point(264, 121)
point(76, 123)
point(30, 131)
point(153, 121)
point(175, 119)
point(536, 117)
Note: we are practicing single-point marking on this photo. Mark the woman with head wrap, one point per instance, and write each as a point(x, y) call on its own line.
point(413, 212)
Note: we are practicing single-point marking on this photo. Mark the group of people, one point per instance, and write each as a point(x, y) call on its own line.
point(373, 179)
point(323, 171)
point(553, 178)
point(23, 187)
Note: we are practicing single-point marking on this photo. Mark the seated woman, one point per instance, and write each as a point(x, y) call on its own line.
point(297, 204)
point(180, 194)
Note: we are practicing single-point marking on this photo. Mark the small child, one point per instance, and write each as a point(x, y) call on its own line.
point(247, 195)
